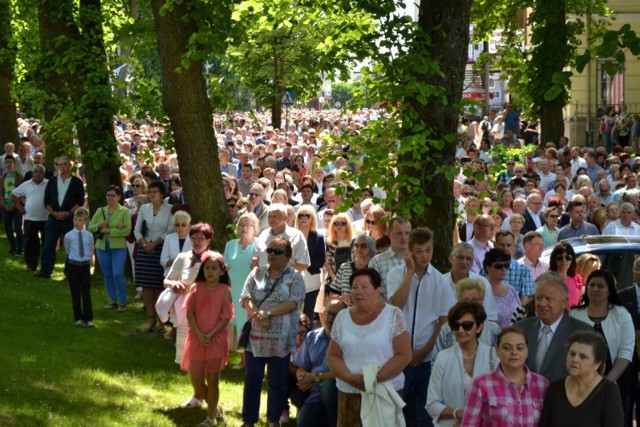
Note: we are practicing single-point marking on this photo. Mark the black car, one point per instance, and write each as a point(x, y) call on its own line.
point(616, 253)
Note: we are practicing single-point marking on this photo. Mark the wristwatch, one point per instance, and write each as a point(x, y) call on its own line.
point(268, 313)
point(316, 378)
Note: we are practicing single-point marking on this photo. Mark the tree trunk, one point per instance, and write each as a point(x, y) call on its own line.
point(184, 96)
point(8, 124)
point(95, 108)
point(447, 25)
point(551, 121)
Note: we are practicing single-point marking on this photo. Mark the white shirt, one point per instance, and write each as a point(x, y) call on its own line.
point(430, 297)
point(293, 235)
point(616, 228)
point(489, 302)
point(34, 203)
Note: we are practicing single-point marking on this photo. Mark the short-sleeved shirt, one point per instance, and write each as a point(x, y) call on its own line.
point(569, 231)
point(383, 263)
point(430, 297)
point(312, 357)
point(293, 236)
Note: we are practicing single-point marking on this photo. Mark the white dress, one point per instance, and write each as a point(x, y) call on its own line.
point(362, 345)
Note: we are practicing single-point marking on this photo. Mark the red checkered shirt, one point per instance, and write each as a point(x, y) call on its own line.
point(495, 401)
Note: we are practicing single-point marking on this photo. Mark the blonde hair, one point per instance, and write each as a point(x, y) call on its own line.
point(331, 233)
point(254, 221)
point(308, 209)
point(470, 284)
point(586, 264)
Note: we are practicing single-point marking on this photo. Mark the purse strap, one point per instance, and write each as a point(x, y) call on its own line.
point(271, 290)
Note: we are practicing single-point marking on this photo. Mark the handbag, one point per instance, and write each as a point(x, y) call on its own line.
point(243, 339)
point(99, 234)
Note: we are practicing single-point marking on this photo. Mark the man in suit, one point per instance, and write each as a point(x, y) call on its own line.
point(226, 166)
point(532, 219)
point(549, 329)
point(631, 299)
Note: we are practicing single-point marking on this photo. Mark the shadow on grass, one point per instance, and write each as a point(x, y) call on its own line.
point(184, 417)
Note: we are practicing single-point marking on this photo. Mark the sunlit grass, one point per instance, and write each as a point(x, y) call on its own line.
point(53, 373)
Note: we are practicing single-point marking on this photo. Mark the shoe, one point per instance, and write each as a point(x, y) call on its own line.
point(90, 324)
point(111, 306)
point(192, 403)
point(238, 367)
point(220, 419)
point(208, 422)
point(284, 418)
point(122, 308)
point(79, 323)
point(16, 253)
point(138, 296)
point(41, 275)
point(170, 335)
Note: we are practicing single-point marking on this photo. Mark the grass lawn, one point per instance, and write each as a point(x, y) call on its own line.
point(56, 374)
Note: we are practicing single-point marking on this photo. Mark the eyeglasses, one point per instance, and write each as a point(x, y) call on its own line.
point(304, 216)
point(368, 221)
point(339, 224)
point(553, 216)
point(255, 195)
point(275, 251)
point(180, 224)
point(501, 265)
point(136, 185)
point(467, 325)
point(464, 258)
point(111, 195)
point(467, 193)
point(245, 225)
point(361, 246)
point(510, 164)
point(566, 257)
point(198, 238)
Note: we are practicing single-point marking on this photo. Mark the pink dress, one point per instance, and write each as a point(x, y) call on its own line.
point(574, 284)
point(209, 306)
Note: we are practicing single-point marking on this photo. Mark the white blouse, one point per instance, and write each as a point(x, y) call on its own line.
point(158, 225)
point(618, 330)
point(362, 345)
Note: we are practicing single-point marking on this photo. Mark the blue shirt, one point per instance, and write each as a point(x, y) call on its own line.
point(312, 357)
point(72, 245)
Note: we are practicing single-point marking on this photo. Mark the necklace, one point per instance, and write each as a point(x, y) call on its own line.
point(471, 356)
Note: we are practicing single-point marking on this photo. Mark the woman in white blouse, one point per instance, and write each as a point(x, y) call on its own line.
point(603, 309)
point(153, 225)
point(456, 367)
point(370, 332)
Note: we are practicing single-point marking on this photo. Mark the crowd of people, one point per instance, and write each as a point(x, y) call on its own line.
point(503, 338)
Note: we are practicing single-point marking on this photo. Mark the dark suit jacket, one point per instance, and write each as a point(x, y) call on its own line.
point(554, 366)
point(529, 223)
point(74, 195)
point(316, 246)
point(462, 232)
point(176, 197)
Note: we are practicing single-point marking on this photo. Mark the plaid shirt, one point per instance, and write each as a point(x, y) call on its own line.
point(384, 263)
point(536, 269)
point(495, 401)
point(519, 277)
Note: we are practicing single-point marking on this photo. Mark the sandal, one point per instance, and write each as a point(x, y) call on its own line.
point(208, 422)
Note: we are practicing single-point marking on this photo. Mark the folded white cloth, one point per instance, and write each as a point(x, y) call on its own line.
point(381, 403)
point(165, 303)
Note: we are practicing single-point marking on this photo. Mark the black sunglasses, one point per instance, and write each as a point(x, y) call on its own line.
point(501, 265)
point(339, 224)
point(567, 257)
point(370, 222)
point(467, 193)
point(304, 216)
point(467, 325)
point(275, 251)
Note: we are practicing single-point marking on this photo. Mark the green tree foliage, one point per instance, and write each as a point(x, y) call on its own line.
point(277, 47)
point(8, 52)
point(342, 93)
point(416, 72)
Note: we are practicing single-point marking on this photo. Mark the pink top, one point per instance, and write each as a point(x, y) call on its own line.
point(575, 287)
point(495, 401)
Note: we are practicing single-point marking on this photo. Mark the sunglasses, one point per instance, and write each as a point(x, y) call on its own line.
point(370, 222)
point(136, 186)
point(467, 325)
point(466, 193)
point(501, 265)
point(511, 164)
point(304, 216)
point(339, 224)
point(275, 251)
point(566, 257)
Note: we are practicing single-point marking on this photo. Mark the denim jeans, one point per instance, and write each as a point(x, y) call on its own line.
point(53, 230)
point(277, 377)
point(112, 264)
point(13, 229)
point(416, 383)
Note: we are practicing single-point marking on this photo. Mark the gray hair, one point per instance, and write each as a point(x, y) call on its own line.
point(551, 277)
point(369, 241)
point(38, 167)
point(181, 214)
point(459, 247)
point(278, 207)
point(627, 206)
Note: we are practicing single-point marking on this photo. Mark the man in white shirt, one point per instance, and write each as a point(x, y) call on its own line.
point(624, 225)
point(547, 178)
point(425, 298)
point(277, 215)
point(35, 214)
point(577, 162)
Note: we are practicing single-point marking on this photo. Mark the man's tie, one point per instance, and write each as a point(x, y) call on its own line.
point(543, 346)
